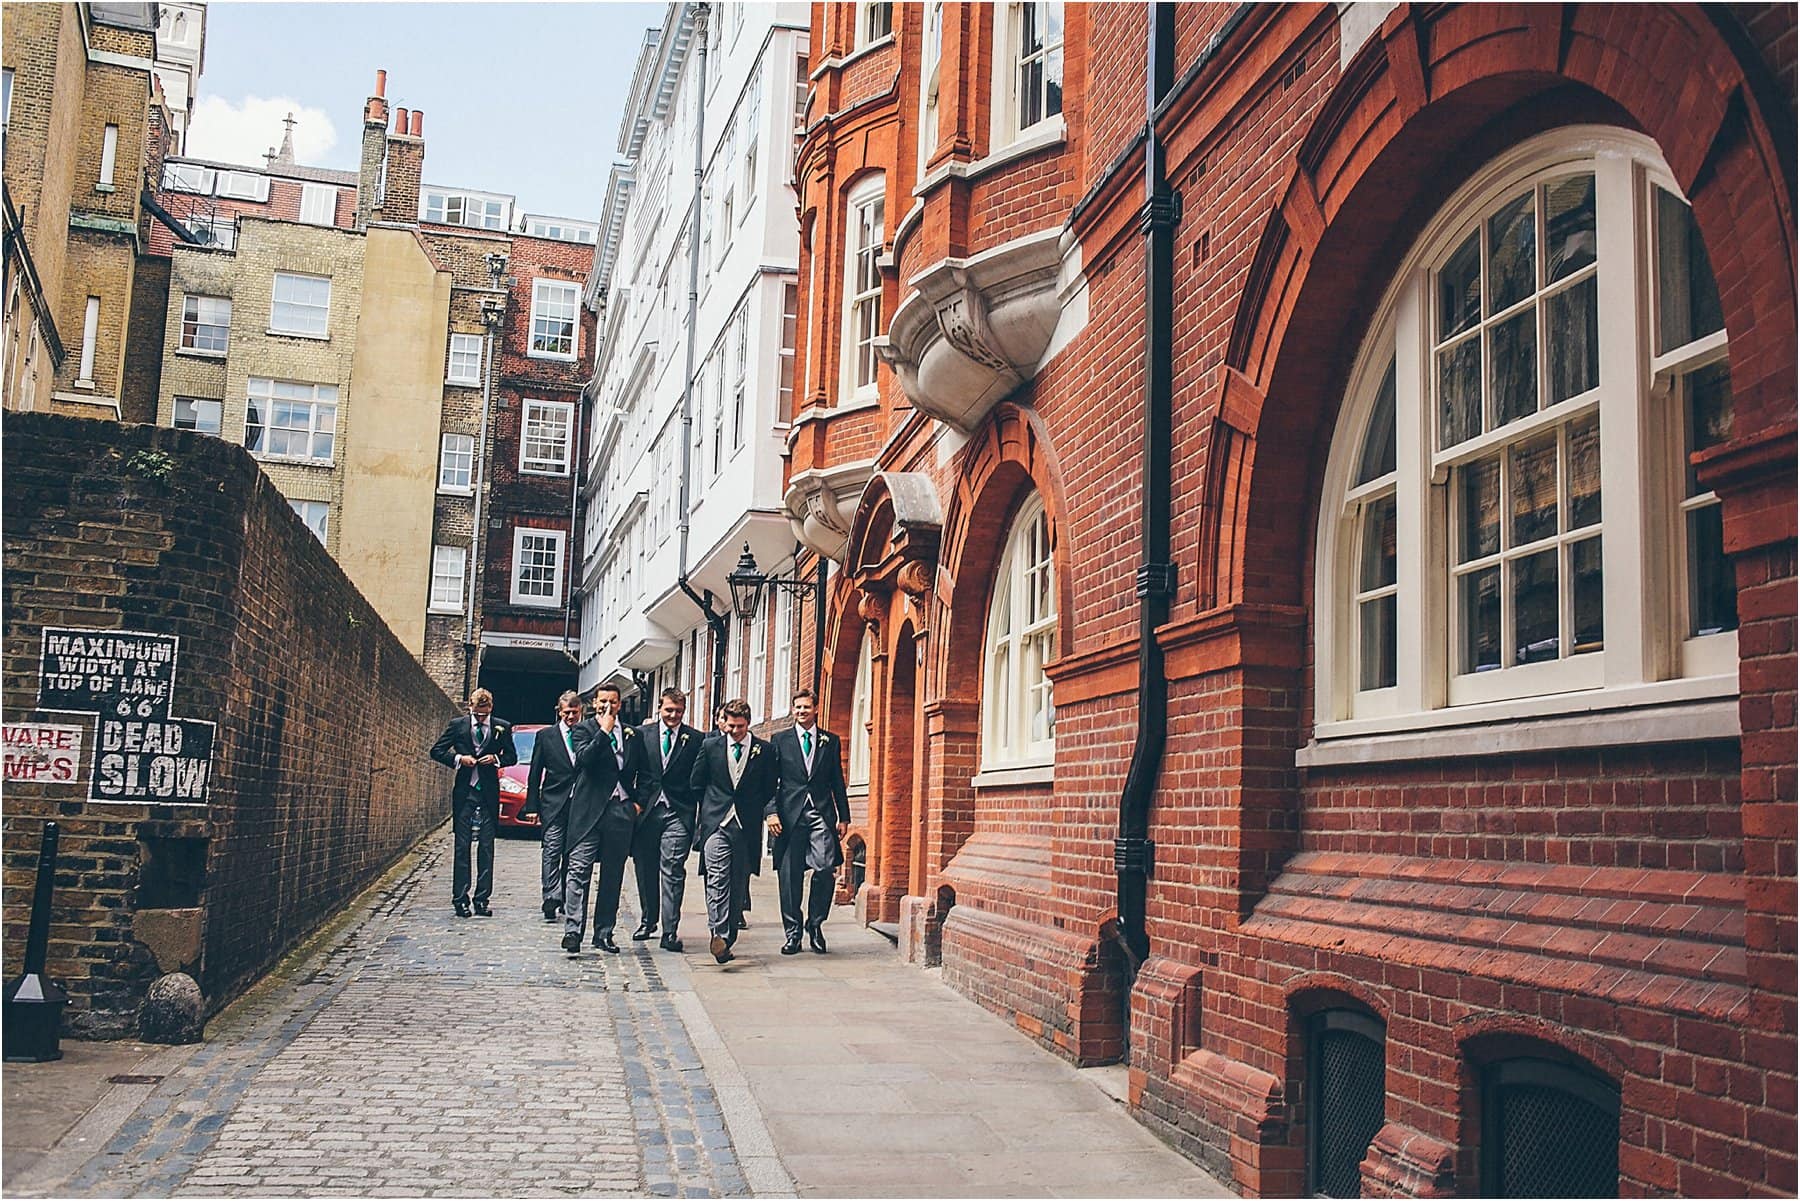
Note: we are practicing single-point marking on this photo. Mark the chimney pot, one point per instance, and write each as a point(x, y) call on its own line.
point(400, 120)
point(418, 123)
point(381, 83)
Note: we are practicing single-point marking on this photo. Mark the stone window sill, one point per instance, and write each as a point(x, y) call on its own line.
point(1016, 776)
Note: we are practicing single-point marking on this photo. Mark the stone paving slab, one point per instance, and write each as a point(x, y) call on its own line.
point(403, 1052)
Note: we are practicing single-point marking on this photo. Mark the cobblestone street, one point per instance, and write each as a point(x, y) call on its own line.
point(403, 1051)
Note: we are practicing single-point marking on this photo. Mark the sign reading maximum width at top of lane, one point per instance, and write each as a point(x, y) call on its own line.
point(127, 678)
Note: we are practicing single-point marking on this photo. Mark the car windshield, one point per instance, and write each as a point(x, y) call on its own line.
point(522, 740)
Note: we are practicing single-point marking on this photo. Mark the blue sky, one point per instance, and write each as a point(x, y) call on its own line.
point(518, 98)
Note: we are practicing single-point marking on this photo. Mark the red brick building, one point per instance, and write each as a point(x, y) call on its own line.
point(1313, 586)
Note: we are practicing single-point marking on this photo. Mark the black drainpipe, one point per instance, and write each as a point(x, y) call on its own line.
point(1133, 852)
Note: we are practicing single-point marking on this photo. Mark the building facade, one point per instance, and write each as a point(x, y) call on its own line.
point(1313, 588)
point(693, 386)
point(81, 113)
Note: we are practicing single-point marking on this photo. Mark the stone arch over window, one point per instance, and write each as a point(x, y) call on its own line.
point(1541, 1117)
point(1338, 1049)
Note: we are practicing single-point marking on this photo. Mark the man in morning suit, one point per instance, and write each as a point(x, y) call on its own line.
point(665, 832)
point(734, 779)
point(601, 818)
point(477, 746)
point(549, 783)
point(807, 816)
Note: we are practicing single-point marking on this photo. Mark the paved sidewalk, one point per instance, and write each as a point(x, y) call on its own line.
point(405, 1052)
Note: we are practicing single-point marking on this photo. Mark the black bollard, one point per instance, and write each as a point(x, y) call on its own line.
point(32, 1025)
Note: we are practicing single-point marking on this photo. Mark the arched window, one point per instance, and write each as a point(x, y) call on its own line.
point(1346, 1056)
point(865, 234)
point(1018, 713)
point(1548, 1130)
point(1515, 516)
point(857, 770)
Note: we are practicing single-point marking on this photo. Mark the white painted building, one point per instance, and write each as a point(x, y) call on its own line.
point(639, 625)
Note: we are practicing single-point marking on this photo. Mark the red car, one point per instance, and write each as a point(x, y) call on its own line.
point(513, 783)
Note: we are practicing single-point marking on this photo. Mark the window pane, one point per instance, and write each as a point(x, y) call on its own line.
point(1535, 604)
point(1533, 487)
point(1459, 393)
point(1569, 232)
point(1708, 413)
point(1584, 472)
point(1574, 325)
point(1687, 296)
point(201, 415)
point(1480, 510)
point(1378, 644)
point(1378, 557)
point(1512, 254)
point(1459, 289)
point(1512, 367)
point(1378, 441)
point(1053, 82)
point(1480, 604)
point(1712, 588)
point(1590, 597)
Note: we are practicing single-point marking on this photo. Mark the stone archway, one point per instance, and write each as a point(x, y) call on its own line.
point(898, 781)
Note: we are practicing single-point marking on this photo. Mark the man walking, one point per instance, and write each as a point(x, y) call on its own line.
point(807, 817)
point(734, 779)
point(477, 746)
point(601, 818)
point(549, 783)
point(665, 832)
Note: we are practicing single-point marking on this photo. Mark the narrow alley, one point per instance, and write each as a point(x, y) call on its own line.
point(404, 1051)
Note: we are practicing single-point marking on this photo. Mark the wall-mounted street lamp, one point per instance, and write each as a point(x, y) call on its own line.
point(748, 583)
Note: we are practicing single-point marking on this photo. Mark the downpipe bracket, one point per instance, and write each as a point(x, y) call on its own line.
point(1134, 856)
point(1157, 581)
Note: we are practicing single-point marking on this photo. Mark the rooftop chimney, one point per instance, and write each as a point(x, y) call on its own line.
point(418, 123)
point(405, 167)
point(374, 145)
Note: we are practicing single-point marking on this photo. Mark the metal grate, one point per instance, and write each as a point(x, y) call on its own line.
point(1349, 1099)
point(1555, 1132)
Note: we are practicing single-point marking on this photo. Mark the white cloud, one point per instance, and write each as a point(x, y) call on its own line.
point(242, 133)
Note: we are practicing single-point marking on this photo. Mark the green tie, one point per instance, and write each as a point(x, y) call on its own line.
point(569, 740)
point(615, 741)
point(806, 743)
point(665, 742)
point(737, 750)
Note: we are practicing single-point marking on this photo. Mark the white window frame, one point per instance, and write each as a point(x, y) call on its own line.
point(930, 72)
point(243, 185)
point(757, 686)
point(192, 402)
point(222, 229)
point(210, 320)
point(1015, 688)
point(781, 686)
point(785, 381)
point(1646, 660)
point(449, 571)
point(1008, 123)
point(551, 540)
point(300, 316)
point(320, 431)
point(189, 177)
point(866, 227)
point(318, 203)
point(458, 207)
point(317, 516)
point(734, 664)
point(90, 338)
point(465, 351)
point(545, 413)
point(109, 157)
point(862, 696)
point(456, 464)
point(871, 15)
point(548, 293)
point(740, 336)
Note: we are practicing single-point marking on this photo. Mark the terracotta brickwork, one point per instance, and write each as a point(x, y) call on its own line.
point(1624, 910)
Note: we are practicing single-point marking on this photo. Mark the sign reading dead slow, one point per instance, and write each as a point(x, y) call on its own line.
point(127, 678)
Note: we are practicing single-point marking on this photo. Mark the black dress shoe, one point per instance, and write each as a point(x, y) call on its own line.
point(644, 931)
point(669, 942)
point(552, 911)
point(572, 943)
point(462, 908)
point(482, 910)
point(816, 937)
point(721, 950)
point(791, 947)
point(608, 945)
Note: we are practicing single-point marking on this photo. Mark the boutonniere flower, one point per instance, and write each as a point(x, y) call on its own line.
point(824, 738)
point(684, 739)
point(755, 751)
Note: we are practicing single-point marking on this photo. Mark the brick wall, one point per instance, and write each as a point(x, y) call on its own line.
point(319, 776)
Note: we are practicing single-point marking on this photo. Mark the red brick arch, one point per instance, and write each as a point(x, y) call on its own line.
point(1009, 457)
point(1437, 93)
